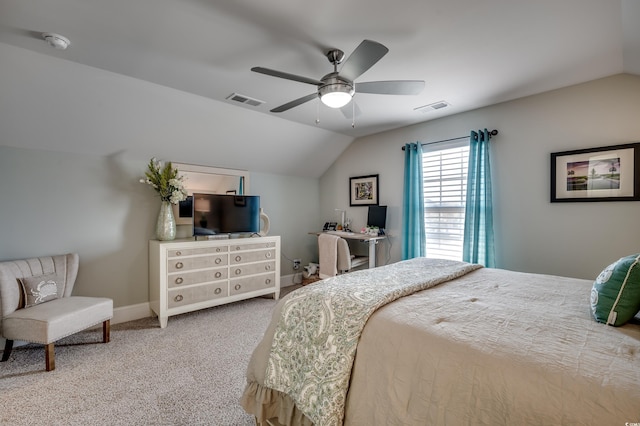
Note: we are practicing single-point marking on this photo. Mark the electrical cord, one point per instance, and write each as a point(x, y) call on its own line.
point(285, 256)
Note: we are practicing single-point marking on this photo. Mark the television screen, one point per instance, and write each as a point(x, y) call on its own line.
point(377, 216)
point(225, 214)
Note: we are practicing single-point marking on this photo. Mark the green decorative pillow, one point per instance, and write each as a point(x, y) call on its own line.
point(39, 289)
point(615, 296)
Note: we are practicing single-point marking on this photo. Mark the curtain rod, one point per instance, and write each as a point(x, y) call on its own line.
point(491, 133)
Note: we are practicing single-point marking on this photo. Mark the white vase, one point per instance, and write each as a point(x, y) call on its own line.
point(264, 223)
point(166, 225)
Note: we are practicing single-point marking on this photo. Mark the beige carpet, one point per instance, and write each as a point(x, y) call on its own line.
point(190, 373)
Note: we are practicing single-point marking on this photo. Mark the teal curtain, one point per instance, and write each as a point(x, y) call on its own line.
point(477, 246)
point(413, 233)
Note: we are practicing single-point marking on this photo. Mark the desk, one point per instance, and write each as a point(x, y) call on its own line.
point(369, 239)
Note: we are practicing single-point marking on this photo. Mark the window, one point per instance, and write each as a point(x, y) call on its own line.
point(444, 170)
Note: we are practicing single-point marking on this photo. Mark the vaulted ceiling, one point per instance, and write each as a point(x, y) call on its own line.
point(469, 53)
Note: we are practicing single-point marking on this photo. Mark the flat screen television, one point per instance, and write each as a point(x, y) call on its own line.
point(225, 214)
point(377, 216)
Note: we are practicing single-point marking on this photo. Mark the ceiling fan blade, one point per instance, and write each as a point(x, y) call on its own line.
point(349, 109)
point(295, 103)
point(286, 75)
point(364, 57)
point(391, 87)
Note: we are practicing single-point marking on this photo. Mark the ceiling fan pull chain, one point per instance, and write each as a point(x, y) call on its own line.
point(318, 111)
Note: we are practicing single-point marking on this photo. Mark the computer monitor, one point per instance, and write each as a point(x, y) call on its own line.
point(377, 216)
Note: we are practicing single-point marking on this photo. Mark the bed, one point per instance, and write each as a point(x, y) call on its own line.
point(443, 343)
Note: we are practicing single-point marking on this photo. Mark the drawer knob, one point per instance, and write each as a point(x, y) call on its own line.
point(238, 258)
point(179, 265)
point(237, 247)
point(218, 260)
point(218, 249)
point(178, 253)
point(238, 271)
point(267, 281)
point(238, 287)
point(218, 274)
point(218, 290)
point(179, 280)
point(268, 255)
point(178, 298)
point(267, 267)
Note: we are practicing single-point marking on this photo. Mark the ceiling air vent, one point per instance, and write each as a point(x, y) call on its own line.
point(433, 106)
point(236, 97)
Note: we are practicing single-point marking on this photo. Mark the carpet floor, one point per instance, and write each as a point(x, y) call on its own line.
point(190, 373)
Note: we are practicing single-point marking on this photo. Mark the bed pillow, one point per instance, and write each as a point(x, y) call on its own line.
point(39, 289)
point(615, 296)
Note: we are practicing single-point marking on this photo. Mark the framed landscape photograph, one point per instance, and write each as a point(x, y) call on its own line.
point(363, 190)
point(607, 173)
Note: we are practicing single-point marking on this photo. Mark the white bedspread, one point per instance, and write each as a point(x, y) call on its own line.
point(315, 339)
point(495, 347)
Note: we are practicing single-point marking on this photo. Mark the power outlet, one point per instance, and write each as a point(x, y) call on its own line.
point(296, 264)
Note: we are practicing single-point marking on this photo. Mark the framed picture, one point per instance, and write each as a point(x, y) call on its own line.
point(363, 190)
point(608, 173)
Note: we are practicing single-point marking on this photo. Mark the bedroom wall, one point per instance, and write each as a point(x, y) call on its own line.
point(74, 140)
point(53, 203)
point(532, 234)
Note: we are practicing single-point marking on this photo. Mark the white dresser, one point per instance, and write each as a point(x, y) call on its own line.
point(187, 275)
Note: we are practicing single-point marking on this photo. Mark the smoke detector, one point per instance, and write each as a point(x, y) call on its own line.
point(56, 40)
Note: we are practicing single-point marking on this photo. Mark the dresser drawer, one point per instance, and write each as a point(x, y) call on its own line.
point(259, 282)
point(251, 256)
point(251, 269)
point(201, 293)
point(181, 279)
point(196, 251)
point(200, 262)
point(251, 246)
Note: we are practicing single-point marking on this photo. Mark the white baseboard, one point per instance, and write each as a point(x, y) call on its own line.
point(131, 313)
point(289, 280)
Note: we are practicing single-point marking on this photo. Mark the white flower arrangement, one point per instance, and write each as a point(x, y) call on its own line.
point(166, 181)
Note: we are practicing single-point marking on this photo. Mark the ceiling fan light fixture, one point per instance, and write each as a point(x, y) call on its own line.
point(336, 95)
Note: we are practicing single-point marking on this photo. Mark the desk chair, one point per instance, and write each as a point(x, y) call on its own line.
point(335, 256)
point(347, 261)
point(36, 304)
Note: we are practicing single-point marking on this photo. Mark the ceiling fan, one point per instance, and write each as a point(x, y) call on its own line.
point(336, 89)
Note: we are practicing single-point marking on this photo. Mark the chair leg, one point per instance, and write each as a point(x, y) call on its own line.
point(50, 357)
point(106, 331)
point(8, 347)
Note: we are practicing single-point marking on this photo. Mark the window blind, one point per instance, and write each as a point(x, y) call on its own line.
point(444, 170)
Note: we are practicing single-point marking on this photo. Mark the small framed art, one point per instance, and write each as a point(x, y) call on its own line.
point(363, 190)
point(609, 173)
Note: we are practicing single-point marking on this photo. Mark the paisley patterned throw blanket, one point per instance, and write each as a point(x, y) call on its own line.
point(315, 341)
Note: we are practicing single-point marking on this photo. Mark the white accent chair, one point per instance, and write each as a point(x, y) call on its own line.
point(51, 320)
